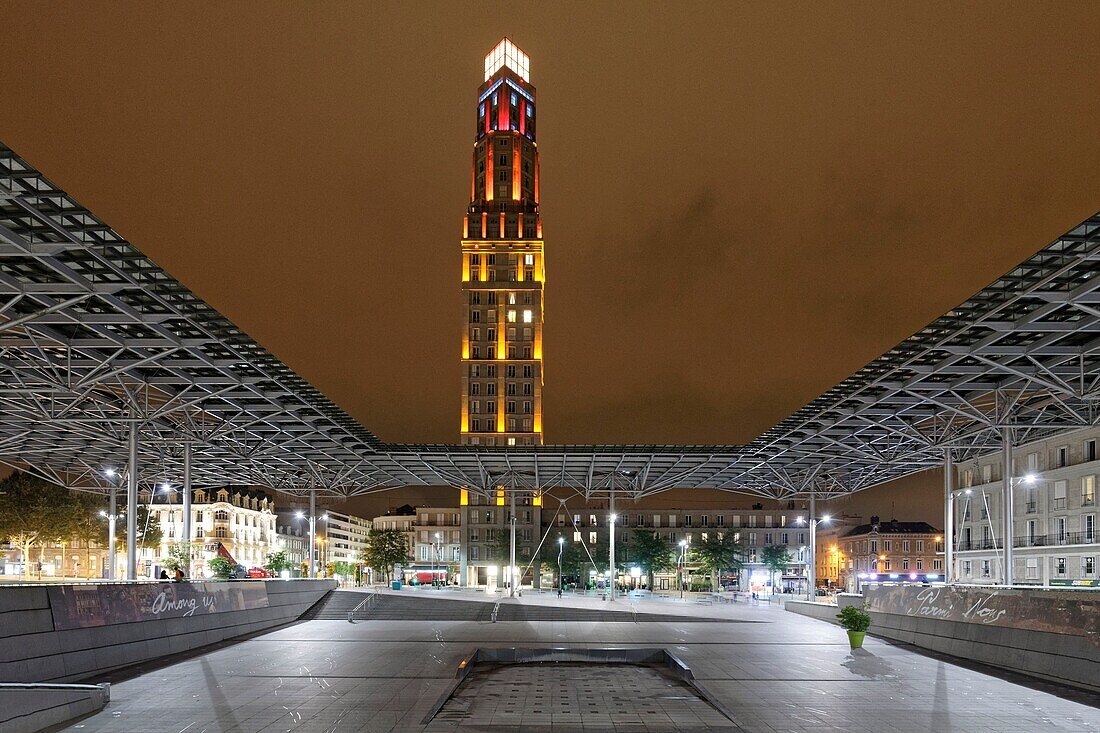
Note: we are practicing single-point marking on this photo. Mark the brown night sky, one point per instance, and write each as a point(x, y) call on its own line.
point(742, 205)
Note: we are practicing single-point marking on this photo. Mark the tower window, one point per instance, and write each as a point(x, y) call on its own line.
point(527, 316)
point(515, 99)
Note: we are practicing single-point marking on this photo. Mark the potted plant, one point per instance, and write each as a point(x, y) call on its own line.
point(856, 621)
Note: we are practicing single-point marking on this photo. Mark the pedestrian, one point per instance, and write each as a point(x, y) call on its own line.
point(559, 591)
point(163, 574)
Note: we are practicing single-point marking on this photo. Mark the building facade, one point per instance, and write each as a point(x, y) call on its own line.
point(342, 538)
point(892, 550)
point(242, 520)
point(401, 519)
point(503, 267)
point(832, 556)
point(485, 538)
point(1054, 535)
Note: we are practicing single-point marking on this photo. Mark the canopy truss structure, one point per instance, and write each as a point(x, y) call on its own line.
point(104, 355)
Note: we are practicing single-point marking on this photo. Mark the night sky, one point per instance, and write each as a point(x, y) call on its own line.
point(742, 206)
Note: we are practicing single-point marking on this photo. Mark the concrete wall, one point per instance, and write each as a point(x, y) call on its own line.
point(27, 708)
point(1065, 658)
point(31, 650)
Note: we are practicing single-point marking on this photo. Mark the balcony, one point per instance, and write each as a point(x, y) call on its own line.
point(977, 545)
point(1058, 503)
point(1055, 540)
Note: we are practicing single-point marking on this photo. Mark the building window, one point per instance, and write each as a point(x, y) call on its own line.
point(1063, 456)
point(1088, 490)
point(1090, 450)
point(1088, 565)
point(527, 316)
point(985, 568)
point(1033, 568)
point(1060, 565)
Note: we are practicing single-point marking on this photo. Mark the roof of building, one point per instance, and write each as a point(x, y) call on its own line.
point(891, 527)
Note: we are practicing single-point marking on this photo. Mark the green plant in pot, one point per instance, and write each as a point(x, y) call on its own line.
point(856, 621)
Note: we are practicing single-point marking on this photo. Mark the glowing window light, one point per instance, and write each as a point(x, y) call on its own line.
point(527, 316)
point(508, 54)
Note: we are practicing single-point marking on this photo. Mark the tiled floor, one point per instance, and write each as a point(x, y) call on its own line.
point(784, 673)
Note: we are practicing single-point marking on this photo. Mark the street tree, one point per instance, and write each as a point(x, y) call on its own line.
point(718, 551)
point(277, 562)
point(33, 511)
point(776, 558)
point(651, 552)
point(385, 548)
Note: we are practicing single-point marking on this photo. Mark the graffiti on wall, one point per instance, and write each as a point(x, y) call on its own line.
point(83, 606)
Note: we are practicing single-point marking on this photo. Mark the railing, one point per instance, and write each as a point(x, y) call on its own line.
point(1031, 507)
point(1059, 503)
point(1058, 538)
point(363, 606)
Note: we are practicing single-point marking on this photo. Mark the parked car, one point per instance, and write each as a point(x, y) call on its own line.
point(255, 572)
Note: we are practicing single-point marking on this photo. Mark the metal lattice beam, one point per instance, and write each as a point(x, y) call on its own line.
point(96, 339)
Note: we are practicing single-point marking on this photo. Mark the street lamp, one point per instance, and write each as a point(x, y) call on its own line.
point(435, 545)
point(683, 565)
point(611, 558)
point(561, 547)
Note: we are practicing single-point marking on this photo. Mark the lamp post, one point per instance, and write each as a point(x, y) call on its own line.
point(561, 547)
point(683, 565)
point(611, 558)
point(435, 546)
point(112, 517)
point(811, 567)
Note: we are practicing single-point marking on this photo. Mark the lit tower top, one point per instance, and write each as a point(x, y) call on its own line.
point(508, 54)
point(503, 266)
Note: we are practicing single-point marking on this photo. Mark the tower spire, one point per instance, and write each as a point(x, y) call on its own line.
point(503, 266)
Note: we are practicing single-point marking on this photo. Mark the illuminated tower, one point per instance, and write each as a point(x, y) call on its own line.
point(503, 269)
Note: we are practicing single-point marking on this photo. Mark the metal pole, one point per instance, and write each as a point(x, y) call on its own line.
point(561, 546)
point(131, 506)
point(312, 532)
point(512, 554)
point(811, 571)
point(187, 508)
point(112, 518)
point(611, 546)
point(1009, 509)
point(948, 517)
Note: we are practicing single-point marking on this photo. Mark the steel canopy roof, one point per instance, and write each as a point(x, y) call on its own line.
point(96, 339)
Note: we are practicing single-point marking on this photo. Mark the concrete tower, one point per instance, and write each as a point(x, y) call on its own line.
point(503, 267)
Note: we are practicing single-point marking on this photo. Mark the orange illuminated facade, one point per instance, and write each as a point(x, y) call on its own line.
point(503, 266)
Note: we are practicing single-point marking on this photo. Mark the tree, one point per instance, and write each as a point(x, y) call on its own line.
point(149, 532)
point(385, 548)
point(178, 558)
point(776, 558)
point(221, 567)
point(718, 552)
point(500, 547)
point(33, 511)
point(277, 562)
point(651, 552)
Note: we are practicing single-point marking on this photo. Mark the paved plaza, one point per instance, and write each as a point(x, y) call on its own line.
point(770, 669)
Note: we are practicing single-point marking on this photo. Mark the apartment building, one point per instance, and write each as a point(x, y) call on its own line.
point(241, 520)
point(401, 519)
point(484, 535)
point(755, 528)
point(437, 543)
point(1054, 535)
point(891, 550)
